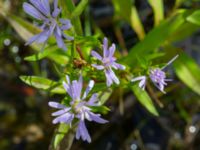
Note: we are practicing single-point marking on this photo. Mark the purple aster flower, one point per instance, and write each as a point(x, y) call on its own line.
point(79, 108)
point(157, 76)
point(40, 10)
point(108, 62)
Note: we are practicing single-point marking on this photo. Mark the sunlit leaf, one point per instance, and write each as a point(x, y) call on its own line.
point(188, 71)
point(144, 99)
point(43, 84)
point(136, 23)
point(100, 109)
point(60, 133)
point(123, 8)
point(194, 18)
point(156, 37)
point(52, 52)
point(128, 12)
point(79, 9)
point(157, 6)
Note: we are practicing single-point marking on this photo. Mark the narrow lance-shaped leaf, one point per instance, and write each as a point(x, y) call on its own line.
point(188, 72)
point(43, 83)
point(68, 7)
point(157, 6)
point(156, 37)
point(136, 23)
point(79, 9)
point(128, 12)
point(52, 52)
point(144, 99)
point(194, 17)
point(123, 8)
point(59, 134)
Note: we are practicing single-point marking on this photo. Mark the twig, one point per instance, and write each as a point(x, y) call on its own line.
point(78, 49)
point(154, 96)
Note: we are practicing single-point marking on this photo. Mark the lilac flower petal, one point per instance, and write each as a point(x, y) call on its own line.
point(97, 118)
point(44, 35)
point(66, 24)
point(75, 90)
point(55, 4)
point(105, 47)
point(29, 9)
point(67, 87)
point(98, 67)
point(60, 112)
point(56, 105)
point(113, 76)
point(96, 55)
point(46, 5)
point(93, 99)
point(78, 134)
point(65, 27)
point(67, 37)
point(118, 66)
point(142, 84)
point(88, 89)
point(39, 38)
point(40, 7)
point(59, 39)
point(112, 50)
point(138, 78)
point(52, 27)
point(108, 78)
point(79, 86)
point(32, 39)
point(84, 132)
point(161, 87)
point(65, 118)
point(56, 12)
point(65, 21)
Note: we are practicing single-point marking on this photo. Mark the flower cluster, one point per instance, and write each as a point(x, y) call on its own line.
point(157, 76)
point(40, 10)
point(107, 63)
point(79, 107)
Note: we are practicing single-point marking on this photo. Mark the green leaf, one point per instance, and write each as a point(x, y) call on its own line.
point(123, 8)
point(79, 9)
point(44, 84)
point(186, 30)
point(188, 71)
point(68, 7)
point(128, 12)
point(157, 6)
point(100, 109)
point(88, 41)
point(156, 37)
point(144, 99)
point(52, 52)
point(136, 23)
point(194, 18)
point(60, 133)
